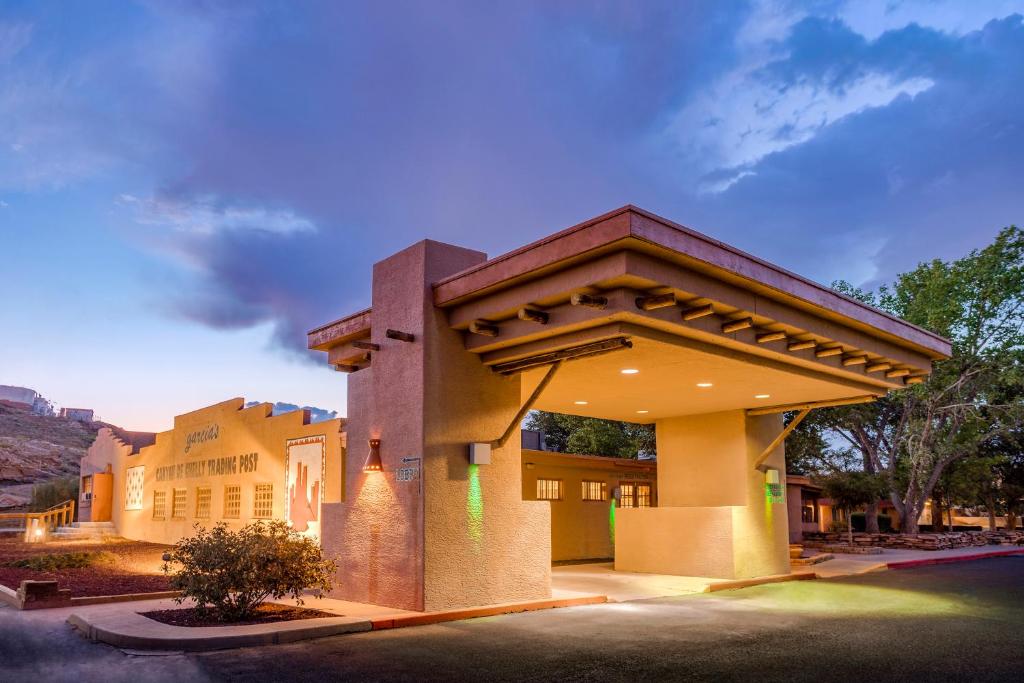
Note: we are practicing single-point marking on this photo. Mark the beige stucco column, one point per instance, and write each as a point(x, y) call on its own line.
point(714, 518)
point(462, 535)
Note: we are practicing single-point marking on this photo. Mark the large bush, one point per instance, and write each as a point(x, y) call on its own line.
point(232, 572)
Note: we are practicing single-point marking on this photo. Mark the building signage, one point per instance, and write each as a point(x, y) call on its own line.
point(231, 464)
point(635, 475)
point(199, 436)
point(407, 474)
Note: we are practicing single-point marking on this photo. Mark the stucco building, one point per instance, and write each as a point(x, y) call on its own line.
point(627, 316)
point(223, 463)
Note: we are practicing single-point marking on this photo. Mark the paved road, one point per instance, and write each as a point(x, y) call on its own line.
point(953, 622)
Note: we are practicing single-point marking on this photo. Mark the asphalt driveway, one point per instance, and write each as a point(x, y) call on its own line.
point(960, 621)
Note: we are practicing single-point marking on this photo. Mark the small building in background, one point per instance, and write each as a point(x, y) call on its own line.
point(584, 492)
point(77, 414)
point(223, 463)
point(26, 398)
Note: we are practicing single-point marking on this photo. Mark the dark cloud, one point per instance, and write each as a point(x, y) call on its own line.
point(931, 175)
point(288, 147)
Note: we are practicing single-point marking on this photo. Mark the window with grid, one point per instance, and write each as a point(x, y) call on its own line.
point(595, 490)
point(627, 495)
point(232, 502)
point(159, 504)
point(643, 495)
point(263, 503)
point(203, 496)
point(178, 503)
point(549, 489)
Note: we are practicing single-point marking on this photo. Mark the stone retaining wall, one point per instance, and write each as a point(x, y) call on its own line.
point(955, 539)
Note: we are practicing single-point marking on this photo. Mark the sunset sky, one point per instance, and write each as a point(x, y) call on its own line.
point(187, 187)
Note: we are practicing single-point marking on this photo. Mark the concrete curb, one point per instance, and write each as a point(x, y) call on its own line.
point(123, 597)
point(10, 597)
point(487, 611)
point(134, 631)
point(910, 564)
point(131, 630)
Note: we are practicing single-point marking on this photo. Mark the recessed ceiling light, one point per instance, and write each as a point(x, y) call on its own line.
point(580, 403)
point(630, 371)
point(643, 412)
point(704, 385)
point(762, 395)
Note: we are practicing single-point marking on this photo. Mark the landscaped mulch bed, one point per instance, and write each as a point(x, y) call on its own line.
point(267, 613)
point(133, 568)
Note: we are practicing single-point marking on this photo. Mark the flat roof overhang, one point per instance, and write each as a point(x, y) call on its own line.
point(716, 302)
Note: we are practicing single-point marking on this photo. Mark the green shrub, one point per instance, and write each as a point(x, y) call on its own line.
point(232, 572)
point(53, 492)
point(49, 563)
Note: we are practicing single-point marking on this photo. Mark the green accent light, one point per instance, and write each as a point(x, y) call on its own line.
point(475, 506)
point(611, 522)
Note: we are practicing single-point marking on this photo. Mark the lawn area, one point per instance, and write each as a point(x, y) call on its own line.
point(87, 568)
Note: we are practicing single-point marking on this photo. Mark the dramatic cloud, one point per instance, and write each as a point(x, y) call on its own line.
point(269, 154)
point(207, 217)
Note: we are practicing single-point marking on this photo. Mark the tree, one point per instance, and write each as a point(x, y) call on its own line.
point(915, 434)
point(232, 572)
point(850, 490)
point(592, 436)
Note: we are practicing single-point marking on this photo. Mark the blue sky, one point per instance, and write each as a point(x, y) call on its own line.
point(186, 188)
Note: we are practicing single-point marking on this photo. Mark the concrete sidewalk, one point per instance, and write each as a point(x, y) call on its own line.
point(849, 564)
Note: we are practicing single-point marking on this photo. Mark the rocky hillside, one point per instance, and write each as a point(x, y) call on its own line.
point(34, 448)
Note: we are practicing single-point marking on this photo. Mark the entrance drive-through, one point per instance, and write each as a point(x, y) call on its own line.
point(625, 317)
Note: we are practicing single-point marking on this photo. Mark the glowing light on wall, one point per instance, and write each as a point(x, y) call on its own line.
point(611, 522)
point(475, 506)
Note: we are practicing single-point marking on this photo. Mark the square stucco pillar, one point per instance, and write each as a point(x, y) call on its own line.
point(713, 517)
point(456, 535)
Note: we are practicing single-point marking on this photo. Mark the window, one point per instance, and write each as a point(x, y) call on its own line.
point(87, 488)
point(595, 490)
point(133, 487)
point(627, 495)
point(263, 504)
point(549, 489)
point(809, 511)
point(178, 503)
point(159, 504)
point(203, 496)
point(232, 502)
point(643, 495)
point(633, 495)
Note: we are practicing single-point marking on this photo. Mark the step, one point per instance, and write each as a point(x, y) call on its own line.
point(93, 525)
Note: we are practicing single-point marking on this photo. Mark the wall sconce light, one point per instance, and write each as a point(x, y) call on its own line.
point(373, 462)
point(773, 486)
point(479, 454)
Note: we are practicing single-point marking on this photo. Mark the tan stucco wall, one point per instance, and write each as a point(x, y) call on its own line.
point(582, 529)
point(470, 539)
point(761, 528)
point(714, 518)
point(483, 543)
point(105, 450)
point(240, 432)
